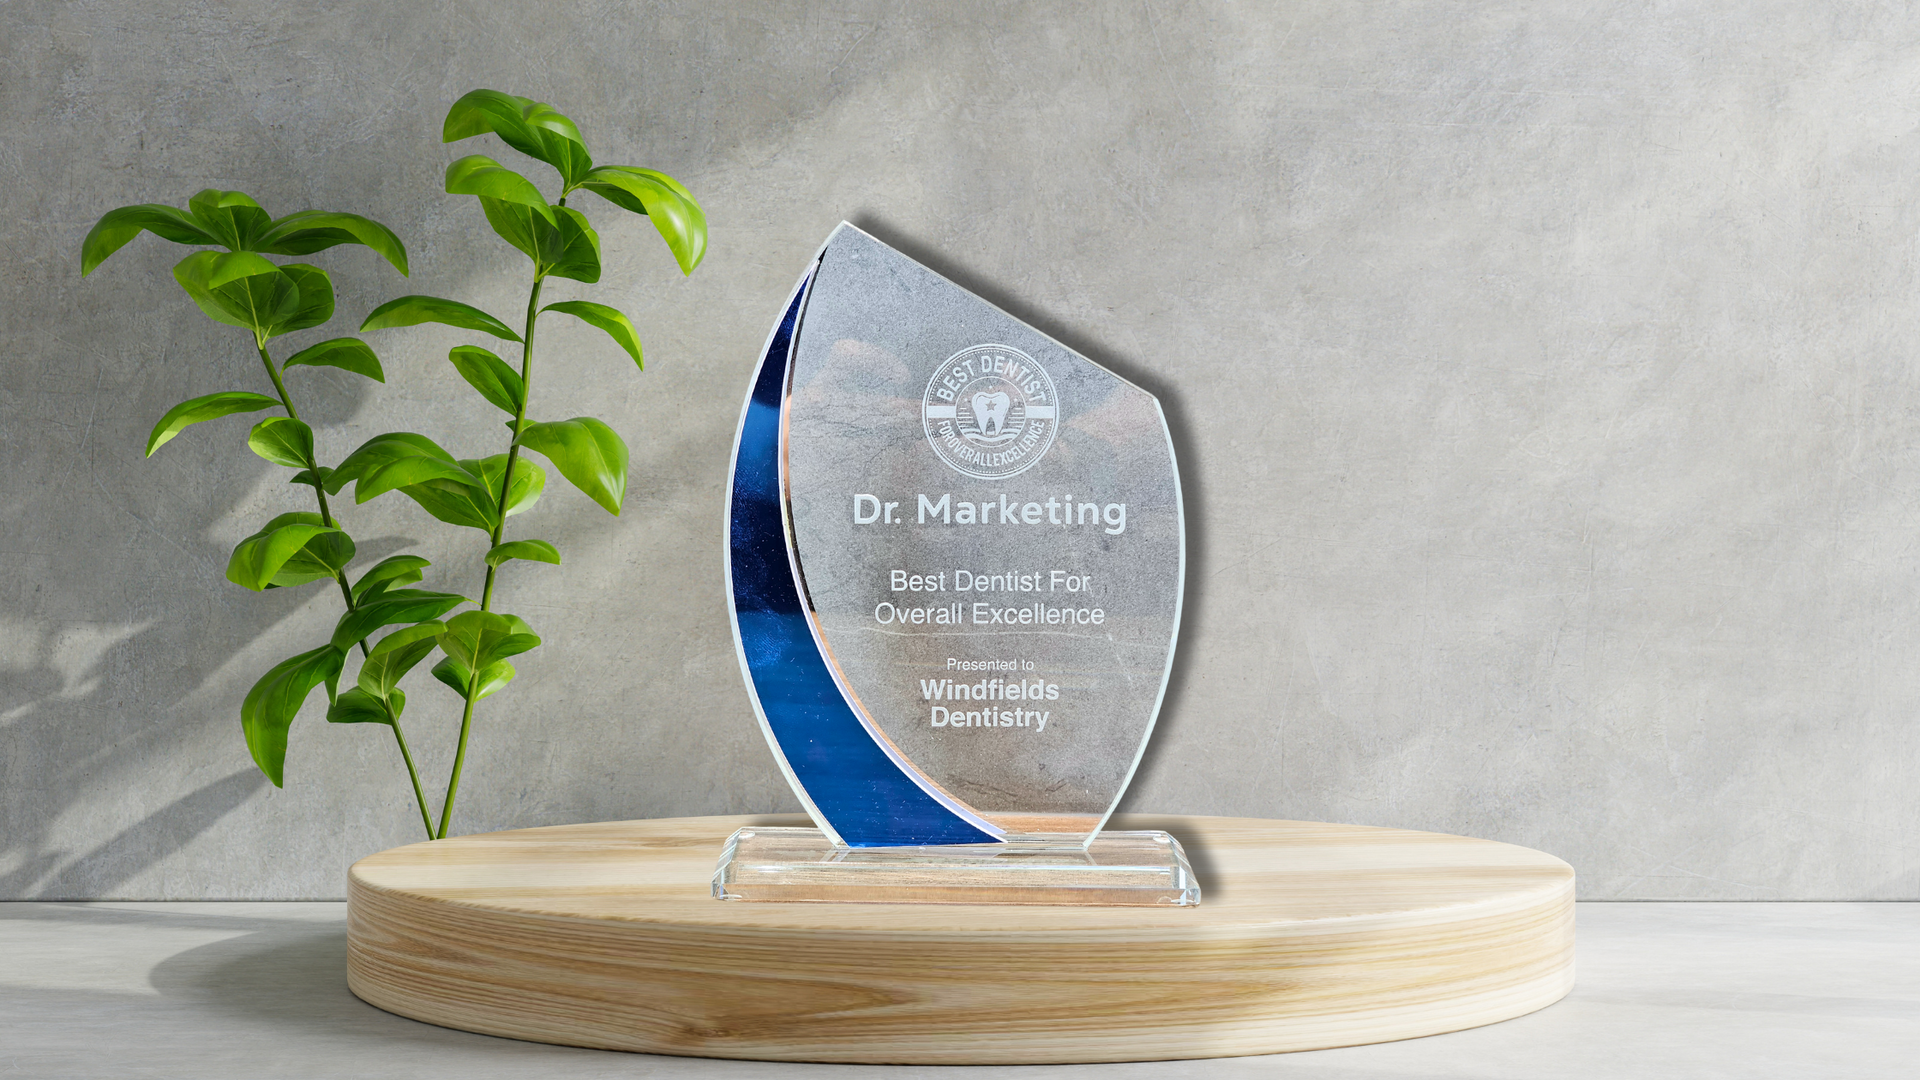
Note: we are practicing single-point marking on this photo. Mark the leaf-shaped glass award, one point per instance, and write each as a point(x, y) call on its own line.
point(955, 560)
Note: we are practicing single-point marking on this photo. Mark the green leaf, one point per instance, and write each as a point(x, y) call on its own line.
point(466, 503)
point(239, 288)
point(529, 480)
point(384, 448)
point(332, 682)
point(381, 452)
point(270, 706)
point(413, 310)
point(315, 299)
point(396, 654)
point(479, 638)
point(210, 407)
point(534, 128)
point(117, 227)
point(478, 174)
point(666, 202)
point(407, 641)
point(494, 676)
point(356, 706)
point(213, 200)
point(612, 320)
point(455, 674)
point(487, 373)
point(474, 501)
point(283, 441)
point(587, 453)
point(531, 550)
point(259, 557)
point(233, 218)
point(517, 225)
point(407, 472)
point(566, 247)
point(388, 573)
point(324, 556)
point(575, 248)
point(391, 608)
point(345, 353)
point(316, 230)
point(458, 676)
point(313, 478)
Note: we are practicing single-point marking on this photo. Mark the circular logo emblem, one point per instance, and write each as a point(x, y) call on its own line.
point(990, 412)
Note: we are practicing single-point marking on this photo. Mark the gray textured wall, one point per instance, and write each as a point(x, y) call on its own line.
point(1542, 374)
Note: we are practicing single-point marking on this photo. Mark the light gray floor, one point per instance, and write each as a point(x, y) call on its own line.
point(257, 990)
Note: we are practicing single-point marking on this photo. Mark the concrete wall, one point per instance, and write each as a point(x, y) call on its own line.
point(1541, 371)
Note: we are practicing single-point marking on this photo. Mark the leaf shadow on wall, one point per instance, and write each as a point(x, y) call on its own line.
point(141, 845)
point(89, 704)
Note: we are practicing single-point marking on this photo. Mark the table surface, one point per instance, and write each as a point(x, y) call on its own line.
point(214, 990)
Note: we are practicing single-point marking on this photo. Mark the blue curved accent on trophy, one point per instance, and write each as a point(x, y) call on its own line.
point(846, 777)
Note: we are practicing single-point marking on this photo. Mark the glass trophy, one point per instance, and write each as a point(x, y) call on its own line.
point(955, 565)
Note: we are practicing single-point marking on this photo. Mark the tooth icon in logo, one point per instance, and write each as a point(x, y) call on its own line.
point(990, 412)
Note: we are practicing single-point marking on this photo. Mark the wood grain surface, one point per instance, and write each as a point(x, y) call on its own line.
point(1310, 936)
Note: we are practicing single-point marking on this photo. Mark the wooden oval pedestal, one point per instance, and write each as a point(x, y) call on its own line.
point(1308, 936)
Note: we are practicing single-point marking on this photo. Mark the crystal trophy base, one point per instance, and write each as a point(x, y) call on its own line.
point(1119, 869)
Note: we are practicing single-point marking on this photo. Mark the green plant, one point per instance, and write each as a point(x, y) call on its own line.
point(240, 287)
point(244, 289)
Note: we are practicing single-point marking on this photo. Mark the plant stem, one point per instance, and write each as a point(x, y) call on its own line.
point(513, 449)
point(346, 591)
point(320, 493)
point(459, 757)
point(419, 794)
point(499, 528)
